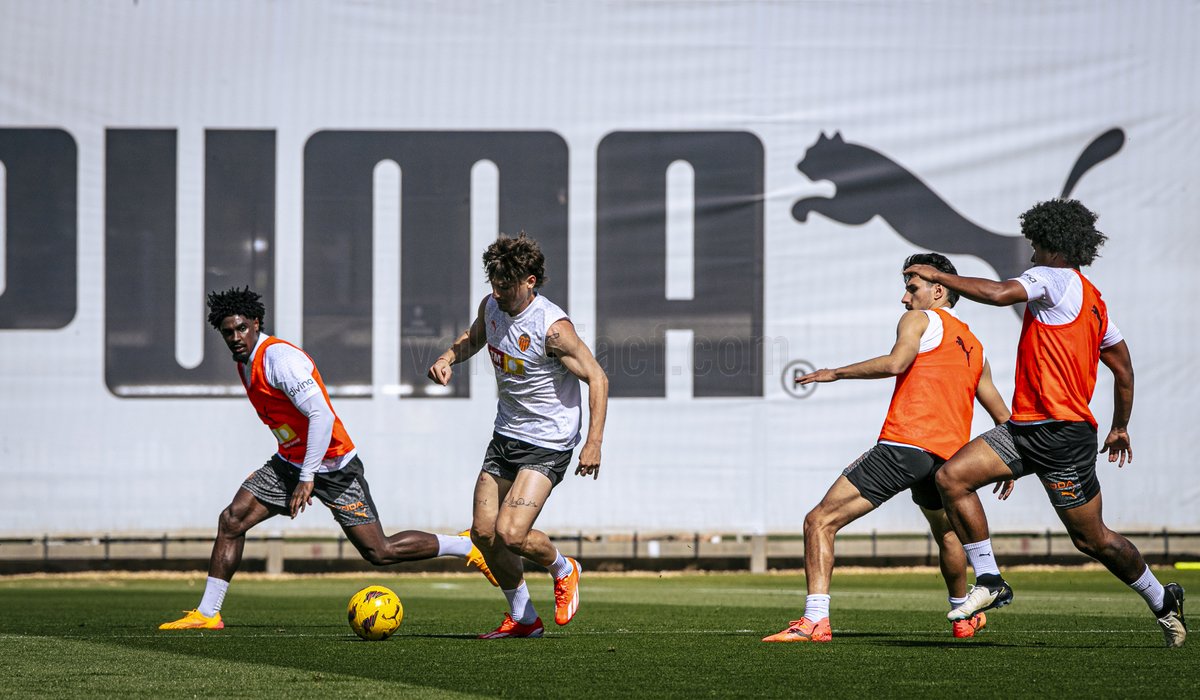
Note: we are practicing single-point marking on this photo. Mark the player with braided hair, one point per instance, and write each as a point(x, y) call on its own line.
point(316, 457)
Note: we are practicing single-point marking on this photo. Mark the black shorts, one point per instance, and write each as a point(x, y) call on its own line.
point(506, 456)
point(344, 491)
point(885, 470)
point(1061, 453)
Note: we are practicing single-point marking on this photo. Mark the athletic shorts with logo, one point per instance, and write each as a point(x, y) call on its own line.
point(1061, 453)
point(344, 491)
point(507, 456)
point(885, 470)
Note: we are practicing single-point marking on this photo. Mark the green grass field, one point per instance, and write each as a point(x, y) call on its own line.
point(1070, 633)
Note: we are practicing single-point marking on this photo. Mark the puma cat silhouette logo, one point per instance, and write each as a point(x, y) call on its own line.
point(1096, 313)
point(870, 184)
point(958, 339)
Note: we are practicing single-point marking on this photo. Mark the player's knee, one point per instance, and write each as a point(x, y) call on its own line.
point(373, 556)
point(948, 481)
point(483, 537)
point(512, 538)
point(818, 519)
point(230, 524)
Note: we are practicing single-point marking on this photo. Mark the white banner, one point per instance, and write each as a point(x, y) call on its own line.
point(726, 192)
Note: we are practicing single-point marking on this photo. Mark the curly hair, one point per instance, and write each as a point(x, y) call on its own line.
point(508, 260)
point(234, 302)
point(1064, 226)
point(938, 261)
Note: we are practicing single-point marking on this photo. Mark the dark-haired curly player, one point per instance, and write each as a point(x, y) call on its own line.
point(316, 457)
point(539, 361)
point(1052, 433)
point(940, 371)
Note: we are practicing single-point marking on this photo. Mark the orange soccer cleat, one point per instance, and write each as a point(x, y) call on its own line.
point(512, 628)
point(475, 559)
point(566, 594)
point(804, 630)
point(963, 629)
point(193, 620)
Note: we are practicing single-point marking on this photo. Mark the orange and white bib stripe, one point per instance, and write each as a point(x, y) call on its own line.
point(934, 400)
point(286, 422)
point(1056, 365)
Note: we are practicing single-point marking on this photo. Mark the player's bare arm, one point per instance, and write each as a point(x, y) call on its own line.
point(978, 289)
point(989, 397)
point(908, 342)
point(562, 342)
point(1117, 444)
point(461, 350)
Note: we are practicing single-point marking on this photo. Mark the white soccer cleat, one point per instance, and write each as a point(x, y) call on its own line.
point(1173, 625)
point(982, 598)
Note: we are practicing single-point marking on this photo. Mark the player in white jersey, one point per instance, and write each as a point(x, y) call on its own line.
point(539, 360)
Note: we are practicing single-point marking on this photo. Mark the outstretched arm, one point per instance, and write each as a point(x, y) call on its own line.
point(1117, 445)
point(461, 350)
point(908, 342)
point(977, 289)
point(562, 342)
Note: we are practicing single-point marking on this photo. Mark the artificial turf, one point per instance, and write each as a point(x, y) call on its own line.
point(1070, 632)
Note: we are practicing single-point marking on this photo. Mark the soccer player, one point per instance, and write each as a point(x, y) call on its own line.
point(940, 371)
point(538, 360)
point(1065, 334)
point(316, 457)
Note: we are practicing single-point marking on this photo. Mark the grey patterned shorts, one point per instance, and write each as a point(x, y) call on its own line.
point(1061, 453)
point(344, 491)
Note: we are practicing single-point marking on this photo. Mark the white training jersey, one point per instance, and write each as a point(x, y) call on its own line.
point(538, 398)
point(1056, 297)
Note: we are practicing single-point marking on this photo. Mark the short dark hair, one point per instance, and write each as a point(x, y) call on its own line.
point(938, 261)
point(508, 260)
point(234, 302)
point(1064, 226)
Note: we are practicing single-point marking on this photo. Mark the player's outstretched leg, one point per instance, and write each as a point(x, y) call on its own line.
point(1170, 618)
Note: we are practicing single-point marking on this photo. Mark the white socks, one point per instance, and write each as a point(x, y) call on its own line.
point(520, 606)
point(1150, 589)
point(561, 566)
point(214, 596)
point(980, 556)
point(955, 602)
point(453, 545)
point(816, 607)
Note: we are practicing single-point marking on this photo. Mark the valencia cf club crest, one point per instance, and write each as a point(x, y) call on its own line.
point(523, 342)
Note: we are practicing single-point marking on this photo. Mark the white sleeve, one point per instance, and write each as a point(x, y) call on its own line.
point(1112, 335)
point(290, 371)
point(1044, 284)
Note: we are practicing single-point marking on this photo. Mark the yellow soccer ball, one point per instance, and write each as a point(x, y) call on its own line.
point(375, 613)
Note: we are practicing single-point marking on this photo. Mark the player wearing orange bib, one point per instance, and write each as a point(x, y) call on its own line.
point(316, 457)
point(1065, 334)
point(940, 372)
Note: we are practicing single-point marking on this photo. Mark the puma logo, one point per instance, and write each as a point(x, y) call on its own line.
point(870, 184)
point(959, 341)
point(1096, 313)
